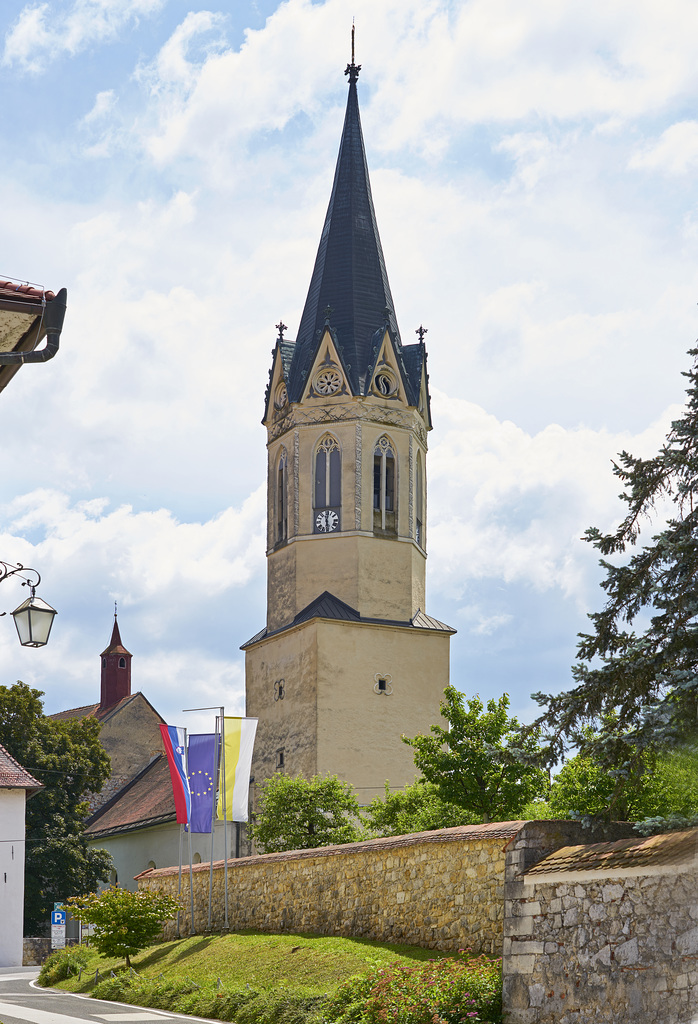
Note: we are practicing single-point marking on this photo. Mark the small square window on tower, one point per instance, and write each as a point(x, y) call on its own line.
point(382, 685)
point(280, 760)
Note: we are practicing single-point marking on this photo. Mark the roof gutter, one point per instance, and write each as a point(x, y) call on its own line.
point(52, 324)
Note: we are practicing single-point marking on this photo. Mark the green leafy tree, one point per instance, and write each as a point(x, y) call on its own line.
point(68, 759)
point(300, 814)
point(416, 808)
point(480, 763)
point(124, 922)
point(636, 680)
point(668, 788)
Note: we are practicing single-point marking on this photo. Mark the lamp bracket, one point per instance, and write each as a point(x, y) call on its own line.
point(7, 570)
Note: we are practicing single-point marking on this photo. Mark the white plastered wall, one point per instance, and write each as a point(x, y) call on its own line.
point(12, 804)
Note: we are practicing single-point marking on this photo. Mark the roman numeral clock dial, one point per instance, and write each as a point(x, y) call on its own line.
point(326, 521)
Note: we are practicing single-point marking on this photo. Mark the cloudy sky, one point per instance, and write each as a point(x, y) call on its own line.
point(170, 162)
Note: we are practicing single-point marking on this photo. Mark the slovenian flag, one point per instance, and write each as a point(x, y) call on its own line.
point(174, 741)
point(239, 742)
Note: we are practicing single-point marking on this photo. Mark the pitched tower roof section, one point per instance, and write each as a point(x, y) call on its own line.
point(349, 287)
point(115, 645)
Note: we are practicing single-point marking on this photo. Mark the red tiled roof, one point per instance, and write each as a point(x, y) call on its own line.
point(24, 292)
point(85, 712)
point(98, 712)
point(670, 848)
point(146, 800)
point(13, 776)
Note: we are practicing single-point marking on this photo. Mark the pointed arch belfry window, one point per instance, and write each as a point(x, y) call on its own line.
point(384, 490)
point(327, 489)
point(281, 525)
point(419, 502)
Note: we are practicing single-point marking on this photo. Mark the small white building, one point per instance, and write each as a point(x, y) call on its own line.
point(16, 784)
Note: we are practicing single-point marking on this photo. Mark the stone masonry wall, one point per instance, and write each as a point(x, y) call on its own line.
point(595, 950)
point(441, 890)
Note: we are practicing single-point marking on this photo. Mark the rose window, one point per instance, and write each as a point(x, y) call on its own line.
point(328, 382)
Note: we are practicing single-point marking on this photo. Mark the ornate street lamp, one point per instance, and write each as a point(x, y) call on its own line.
point(34, 617)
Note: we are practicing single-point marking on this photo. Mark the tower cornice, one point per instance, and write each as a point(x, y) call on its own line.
point(364, 409)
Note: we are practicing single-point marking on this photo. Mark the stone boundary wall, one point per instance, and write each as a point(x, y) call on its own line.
point(440, 890)
point(37, 949)
point(603, 948)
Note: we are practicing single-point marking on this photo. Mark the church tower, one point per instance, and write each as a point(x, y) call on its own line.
point(348, 660)
point(116, 670)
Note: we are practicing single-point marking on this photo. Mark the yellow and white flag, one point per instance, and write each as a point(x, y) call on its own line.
point(238, 743)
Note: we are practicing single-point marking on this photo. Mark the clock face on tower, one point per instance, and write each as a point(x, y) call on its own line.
point(326, 521)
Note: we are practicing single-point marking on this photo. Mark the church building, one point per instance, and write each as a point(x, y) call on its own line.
point(349, 660)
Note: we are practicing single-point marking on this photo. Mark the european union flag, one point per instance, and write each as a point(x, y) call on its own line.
point(203, 772)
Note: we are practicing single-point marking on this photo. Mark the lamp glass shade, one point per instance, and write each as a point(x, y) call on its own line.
point(33, 620)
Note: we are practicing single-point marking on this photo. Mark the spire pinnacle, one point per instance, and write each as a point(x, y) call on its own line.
point(349, 273)
point(352, 69)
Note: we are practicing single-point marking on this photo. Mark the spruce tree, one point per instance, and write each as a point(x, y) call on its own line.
point(636, 677)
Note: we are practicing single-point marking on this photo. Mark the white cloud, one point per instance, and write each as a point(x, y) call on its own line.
point(104, 104)
point(505, 505)
point(43, 31)
point(674, 153)
point(558, 289)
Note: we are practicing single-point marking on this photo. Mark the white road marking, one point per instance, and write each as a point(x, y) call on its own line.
point(37, 1016)
point(143, 1015)
point(184, 1017)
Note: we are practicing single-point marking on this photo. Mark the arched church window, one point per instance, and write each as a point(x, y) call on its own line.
point(419, 501)
point(384, 486)
point(327, 492)
point(122, 662)
point(282, 497)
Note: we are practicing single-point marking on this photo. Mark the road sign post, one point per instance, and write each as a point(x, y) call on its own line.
point(58, 929)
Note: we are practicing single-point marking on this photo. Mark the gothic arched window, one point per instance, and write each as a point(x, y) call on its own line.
point(122, 662)
point(384, 504)
point(281, 525)
point(419, 502)
point(327, 492)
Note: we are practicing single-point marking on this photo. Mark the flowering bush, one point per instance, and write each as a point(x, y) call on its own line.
point(447, 991)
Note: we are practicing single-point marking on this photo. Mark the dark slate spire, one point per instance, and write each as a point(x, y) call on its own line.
point(349, 274)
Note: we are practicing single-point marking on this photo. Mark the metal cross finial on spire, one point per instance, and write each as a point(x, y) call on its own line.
point(281, 327)
point(421, 331)
point(352, 69)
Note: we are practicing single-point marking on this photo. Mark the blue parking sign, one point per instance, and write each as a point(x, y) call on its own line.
point(58, 917)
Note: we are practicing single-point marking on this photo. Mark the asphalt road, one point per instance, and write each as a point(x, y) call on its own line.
point(22, 1002)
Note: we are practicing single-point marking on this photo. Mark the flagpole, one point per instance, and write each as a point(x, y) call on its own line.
point(181, 837)
point(225, 820)
point(214, 776)
point(225, 832)
point(192, 930)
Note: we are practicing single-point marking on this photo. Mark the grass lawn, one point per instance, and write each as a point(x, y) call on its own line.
point(313, 964)
point(246, 977)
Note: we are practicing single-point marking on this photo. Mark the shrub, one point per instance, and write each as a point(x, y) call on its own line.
point(62, 964)
point(246, 1006)
point(448, 991)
